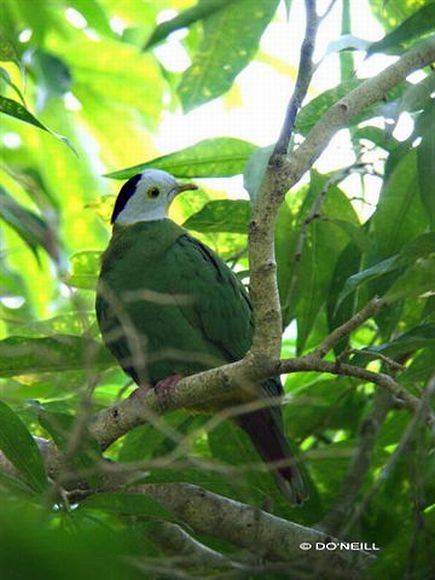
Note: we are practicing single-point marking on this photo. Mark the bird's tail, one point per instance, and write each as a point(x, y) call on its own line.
point(271, 444)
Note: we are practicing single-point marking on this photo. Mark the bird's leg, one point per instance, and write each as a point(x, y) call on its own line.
point(165, 388)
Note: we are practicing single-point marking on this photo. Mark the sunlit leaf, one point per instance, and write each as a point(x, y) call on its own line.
point(20, 448)
point(220, 157)
point(95, 15)
point(239, 25)
point(19, 111)
point(7, 79)
point(7, 50)
point(200, 11)
point(419, 23)
point(84, 269)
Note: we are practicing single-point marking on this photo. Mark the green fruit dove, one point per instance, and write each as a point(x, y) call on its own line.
point(169, 307)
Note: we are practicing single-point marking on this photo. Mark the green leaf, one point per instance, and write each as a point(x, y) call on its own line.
point(84, 269)
point(59, 426)
point(354, 231)
point(20, 355)
point(421, 247)
point(378, 136)
point(418, 96)
point(220, 157)
point(14, 109)
point(419, 337)
point(53, 74)
point(7, 50)
point(20, 448)
point(95, 15)
point(7, 79)
point(399, 216)
point(35, 231)
point(136, 504)
point(417, 25)
point(417, 280)
point(239, 25)
point(322, 246)
point(255, 170)
point(13, 484)
point(311, 113)
point(19, 111)
point(200, 11)
point(223, 215)
point(426, 158)
point(131, 79)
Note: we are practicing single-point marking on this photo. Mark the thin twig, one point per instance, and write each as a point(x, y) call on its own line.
point(359, 466)
point(345, 329)
point(305, 73)
point(417, 419)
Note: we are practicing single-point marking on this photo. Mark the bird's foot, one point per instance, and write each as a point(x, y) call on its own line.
point(164, 390)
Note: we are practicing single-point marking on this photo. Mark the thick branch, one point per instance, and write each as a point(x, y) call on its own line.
point(283, 173)
point(263, 286)
point(265, 535)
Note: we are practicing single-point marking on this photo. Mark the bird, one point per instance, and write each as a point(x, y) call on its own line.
point(168, 307)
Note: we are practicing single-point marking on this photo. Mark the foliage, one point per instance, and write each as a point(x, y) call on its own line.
point(84, 89)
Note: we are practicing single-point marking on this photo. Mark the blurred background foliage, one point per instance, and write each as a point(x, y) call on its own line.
point(84, 89)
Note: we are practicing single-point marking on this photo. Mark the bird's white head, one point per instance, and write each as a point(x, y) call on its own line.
point(146, 197)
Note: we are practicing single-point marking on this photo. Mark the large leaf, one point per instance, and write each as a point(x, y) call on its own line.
point(20, 448)
point(417, 280)
point(200, 11)
point(33, 229)
point(223, 215)
point(239, 26)
point(420, 23)
point(323, 244)
point(19, 111)
point(419, 337)
point(220, 157)
point(426, 158)
point(95, 15)
point(399, 216)
point(20, 355)
point(420, 248)
point(98, 73)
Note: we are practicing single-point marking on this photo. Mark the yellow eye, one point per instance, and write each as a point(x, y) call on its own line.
point(153, 192)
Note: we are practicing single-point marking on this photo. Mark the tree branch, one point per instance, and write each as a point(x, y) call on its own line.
point(283, 173)
point(305, 73)
point(263, 286)
point(360, 464)
point(263, 534)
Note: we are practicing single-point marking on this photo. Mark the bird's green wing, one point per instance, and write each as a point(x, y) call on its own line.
point(220, 307)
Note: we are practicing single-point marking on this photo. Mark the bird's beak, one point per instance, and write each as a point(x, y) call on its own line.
point(185, 187)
